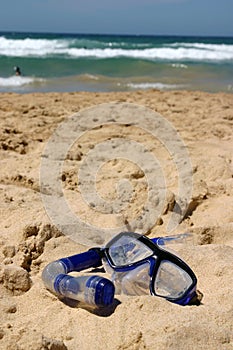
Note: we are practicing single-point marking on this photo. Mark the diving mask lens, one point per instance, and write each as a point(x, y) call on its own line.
point(171, 281)
point(128, 250)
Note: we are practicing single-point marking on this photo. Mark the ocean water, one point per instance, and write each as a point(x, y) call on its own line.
point(75, 62)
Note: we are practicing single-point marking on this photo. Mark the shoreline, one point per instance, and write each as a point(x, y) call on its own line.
point(95, 83)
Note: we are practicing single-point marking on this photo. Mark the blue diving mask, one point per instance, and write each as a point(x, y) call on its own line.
point(137, 265)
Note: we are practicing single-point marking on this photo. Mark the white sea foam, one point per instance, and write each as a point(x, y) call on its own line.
point(211, 47)
point(179, 65)
point(159, 86)
point(17, 81)
point(156, 54)
point(31, 47)
point(66, 47)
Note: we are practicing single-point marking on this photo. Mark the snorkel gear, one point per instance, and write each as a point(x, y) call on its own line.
point(137, 265)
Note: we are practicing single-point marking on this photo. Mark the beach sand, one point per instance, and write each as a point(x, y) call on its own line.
point(32, 318)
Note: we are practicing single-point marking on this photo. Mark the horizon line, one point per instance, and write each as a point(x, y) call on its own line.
point(117, 34)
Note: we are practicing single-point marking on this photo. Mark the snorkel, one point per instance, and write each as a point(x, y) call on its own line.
point(137, 265)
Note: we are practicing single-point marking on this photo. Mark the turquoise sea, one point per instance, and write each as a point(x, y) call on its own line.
point(74, 62)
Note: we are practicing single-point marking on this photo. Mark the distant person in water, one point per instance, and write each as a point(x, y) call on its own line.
point(17, 71)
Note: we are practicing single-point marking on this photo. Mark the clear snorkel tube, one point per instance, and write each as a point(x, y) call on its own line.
point(92, 290)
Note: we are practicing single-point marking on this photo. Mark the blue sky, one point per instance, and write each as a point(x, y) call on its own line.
point(180, 17)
